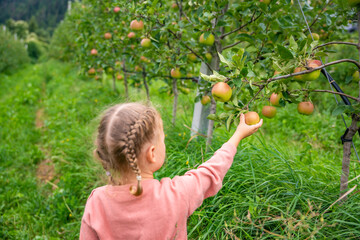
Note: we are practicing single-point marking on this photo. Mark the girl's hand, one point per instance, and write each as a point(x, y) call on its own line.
point(243, 130)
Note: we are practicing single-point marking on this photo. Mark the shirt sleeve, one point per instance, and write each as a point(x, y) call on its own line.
point(86, 232)
point(205, 181)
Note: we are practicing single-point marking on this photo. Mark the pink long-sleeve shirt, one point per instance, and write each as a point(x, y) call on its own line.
point(161, 211)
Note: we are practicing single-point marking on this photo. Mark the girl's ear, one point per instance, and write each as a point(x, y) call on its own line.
point(150, 154)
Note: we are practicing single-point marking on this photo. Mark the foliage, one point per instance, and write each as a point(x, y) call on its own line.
point(13, 54)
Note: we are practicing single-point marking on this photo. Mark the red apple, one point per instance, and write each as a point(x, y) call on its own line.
point(306, 108)
point(119, 77)
point(131, 35)
point(136, 25)
point(91, 71)
point(316, 62)
point(209, 41)
point(138, 69)
point(144, 59)
point(116, 9)
point(146, 42)
point(205, 100)
point(94, 52)
point(252, 118)
point(275, 98)
point(221, 92)
point(174, 6)
point(175, 73)
point(269, 111)
point(107, 35)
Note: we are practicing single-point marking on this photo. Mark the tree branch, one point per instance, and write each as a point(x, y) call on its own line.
point(241, 27)
point(336, 42)
point(328, 91)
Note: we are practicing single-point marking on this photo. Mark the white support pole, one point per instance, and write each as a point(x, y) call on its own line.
point(200, 122)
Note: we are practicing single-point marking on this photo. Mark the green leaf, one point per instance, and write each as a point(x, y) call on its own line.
point(284, 53)
point(228, 63)
point(340, 109)
point(216, 77)
point(212, 117)
point(293, 44)
point(229, 121)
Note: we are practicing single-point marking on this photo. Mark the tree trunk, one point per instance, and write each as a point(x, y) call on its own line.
point(114, 81)
point(346, 155)
point(175, 91)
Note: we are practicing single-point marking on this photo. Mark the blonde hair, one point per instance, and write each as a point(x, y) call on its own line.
point(123, 131)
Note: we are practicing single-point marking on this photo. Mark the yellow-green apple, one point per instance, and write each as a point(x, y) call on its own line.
point(314, 35)
point(269, 111)
point(192, 57)
point(116, 9)
point(144, 59)
point(252, 118)
point(306, 108)
point(221, 92)
point(209, 41)
point(308, 76)
point(356, 76)
point(175, 73)
point(146, 42)
point(107, 35)
point(131, 35)
point(136, 25)
point(205, 100)
point(189, 75)
point(91, 71)
point(93, 51)
point(275, 98)
point(208, 56)
point(138, 69)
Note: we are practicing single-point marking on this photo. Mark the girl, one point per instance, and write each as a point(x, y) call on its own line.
point(134, 205)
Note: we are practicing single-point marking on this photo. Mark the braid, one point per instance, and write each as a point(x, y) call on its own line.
point(123, 131)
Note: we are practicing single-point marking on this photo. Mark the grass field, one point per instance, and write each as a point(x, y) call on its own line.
point(282, 182)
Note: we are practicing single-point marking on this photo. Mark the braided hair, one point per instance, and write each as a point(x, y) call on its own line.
point(123, 131)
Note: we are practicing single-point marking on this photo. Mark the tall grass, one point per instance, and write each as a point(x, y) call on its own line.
point(282, 180)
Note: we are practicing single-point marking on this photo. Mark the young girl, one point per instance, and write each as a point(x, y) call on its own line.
point(134, 205)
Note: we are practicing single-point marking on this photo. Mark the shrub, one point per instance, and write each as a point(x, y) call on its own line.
point(12, 53)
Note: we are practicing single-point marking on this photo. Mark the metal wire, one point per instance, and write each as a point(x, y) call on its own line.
point(327, 76)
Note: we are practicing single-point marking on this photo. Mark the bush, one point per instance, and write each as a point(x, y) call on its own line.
point(12, 53)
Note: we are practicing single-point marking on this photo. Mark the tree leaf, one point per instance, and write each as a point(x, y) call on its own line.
point(284, 53)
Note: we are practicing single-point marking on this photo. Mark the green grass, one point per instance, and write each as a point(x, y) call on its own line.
point(282, 180)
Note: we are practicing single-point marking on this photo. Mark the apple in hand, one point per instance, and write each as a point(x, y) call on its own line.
point(252, 118)
point(175, 73)
point(209, 41)
point(305, 108)
point(269, 111)
point(146, 43)
point(221, 92)
point(136, 25)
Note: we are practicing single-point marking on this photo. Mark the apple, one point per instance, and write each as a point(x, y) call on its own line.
point(354, 3)
point(107, 35)
point(269, 111)
point(131, 35)
point(192, 57)
point(174, 6)
point(314, 35)
point(136, 25)
point(252, 118)
point(205, 100)
point(100, 70)
point(306, 108)
point(267, 2)
point(208, 56)
point(109, 70)
point(276, 73)
point(308, 76)
point(221, 92)
point(316, 62)
point(356, 76)
point(94, 52)
point(116, 9)
point(132, 46)
point(189, 75)
point(119, 77)
point(97, 77)
point(138, 69)
point(175, 73)
point(275, 98)
point(146, 42)
point(144, 59)
point(209, 41)
point(91, 71)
